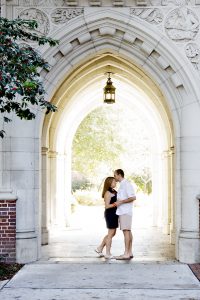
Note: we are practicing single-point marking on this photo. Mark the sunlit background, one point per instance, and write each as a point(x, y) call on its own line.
point(110, 137)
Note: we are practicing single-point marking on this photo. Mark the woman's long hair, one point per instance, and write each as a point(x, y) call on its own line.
point(107, 185)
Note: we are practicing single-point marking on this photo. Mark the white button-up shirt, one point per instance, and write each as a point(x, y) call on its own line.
point(125, 191)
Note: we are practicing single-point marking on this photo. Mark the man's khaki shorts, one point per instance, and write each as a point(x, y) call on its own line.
point(125, 222)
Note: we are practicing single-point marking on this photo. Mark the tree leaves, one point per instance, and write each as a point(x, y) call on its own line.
point(112, 137)
point(20, 85)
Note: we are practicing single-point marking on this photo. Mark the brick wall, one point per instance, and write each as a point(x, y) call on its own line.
point(8, 230)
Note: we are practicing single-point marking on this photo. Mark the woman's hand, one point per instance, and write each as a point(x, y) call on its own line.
point(118, 203)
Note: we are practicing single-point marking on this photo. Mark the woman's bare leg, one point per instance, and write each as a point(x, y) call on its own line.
point(102, 245)
point(111, 233)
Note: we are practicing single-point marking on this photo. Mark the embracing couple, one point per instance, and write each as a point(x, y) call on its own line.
point(118, 210)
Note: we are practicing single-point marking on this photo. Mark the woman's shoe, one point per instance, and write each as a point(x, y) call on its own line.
point(99, 252)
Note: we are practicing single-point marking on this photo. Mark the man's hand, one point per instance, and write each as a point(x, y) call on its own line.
point(131, 199)
point(118, 203)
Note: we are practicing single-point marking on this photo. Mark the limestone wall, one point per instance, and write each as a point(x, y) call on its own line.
point(160, 41)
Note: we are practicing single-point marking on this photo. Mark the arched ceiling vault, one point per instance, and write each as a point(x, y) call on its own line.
point(140, 57)
point(82, 91)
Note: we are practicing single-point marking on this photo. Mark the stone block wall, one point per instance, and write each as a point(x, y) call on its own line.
point(198, 199)
point(8, 231)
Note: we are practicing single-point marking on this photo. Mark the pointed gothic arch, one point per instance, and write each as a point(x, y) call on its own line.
point(88, 44)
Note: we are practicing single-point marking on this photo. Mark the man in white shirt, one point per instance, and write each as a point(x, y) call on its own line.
point(125, 198)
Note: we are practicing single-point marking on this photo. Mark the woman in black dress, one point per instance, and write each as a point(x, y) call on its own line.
point(110, 197)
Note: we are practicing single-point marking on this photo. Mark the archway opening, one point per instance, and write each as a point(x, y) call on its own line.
point(78, 96)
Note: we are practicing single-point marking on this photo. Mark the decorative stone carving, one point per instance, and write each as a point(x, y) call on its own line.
point(115, 3)
point(44, 3)
point(182, 24)
point(51, 3)
point(151, 15)
point(63, 15)
point(39, 16)
point(176, 2)
point(192, 51)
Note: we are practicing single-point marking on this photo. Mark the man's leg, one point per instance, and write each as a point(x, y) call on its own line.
point(125, 226)
point(127, 242)
point(130, 245)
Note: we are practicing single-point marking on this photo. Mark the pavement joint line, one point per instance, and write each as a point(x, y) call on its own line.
point(88, 288)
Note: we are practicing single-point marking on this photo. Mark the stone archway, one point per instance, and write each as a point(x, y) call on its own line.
point(76, 103)
point(159, 69)
point(154, 56)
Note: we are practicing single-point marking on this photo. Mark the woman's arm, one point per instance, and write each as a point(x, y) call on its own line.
point(131, 199)
point(107, 198)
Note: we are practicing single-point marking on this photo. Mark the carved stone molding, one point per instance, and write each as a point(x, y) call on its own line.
point(182, 2)
point(63, 15)
point(192, 52)
point(44, 3)
point(115, 3)
point(51, 3)
point(176, 2)
point(39, 16)
point(151, 15)
point(182, 24)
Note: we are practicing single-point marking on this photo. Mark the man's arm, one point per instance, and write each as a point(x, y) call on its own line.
point(131, 199)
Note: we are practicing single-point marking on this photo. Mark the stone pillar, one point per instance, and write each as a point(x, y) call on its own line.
point(68, 185)
point(172, 198)
point(198, 198)
point(189, 240)
point(3, 8)
point(8, 227)
point(156, 188)
point(166, 201)
point(61, 189)
point(45, 196)
point(171, 204)
point(56, 194)
point(52, 186)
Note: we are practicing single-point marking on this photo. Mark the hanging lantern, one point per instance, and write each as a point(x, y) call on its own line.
point(109, 91)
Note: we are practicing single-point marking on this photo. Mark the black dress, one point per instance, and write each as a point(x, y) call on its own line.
point(110, 213)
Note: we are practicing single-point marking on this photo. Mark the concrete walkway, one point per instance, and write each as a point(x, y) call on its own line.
point(103, 280)
point(70, 269)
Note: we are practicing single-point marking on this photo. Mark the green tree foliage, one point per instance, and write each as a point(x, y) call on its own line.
point(95, 145)
point(112, 137)
point(20, 85)
point(143, 180)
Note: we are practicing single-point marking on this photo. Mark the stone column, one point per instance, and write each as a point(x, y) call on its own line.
point(61, 189)
point(58, 205)
point(3, 8)
point(198, 198)
point(68, 185)
point(21, 165)
point(156, 188)
point(168, 205)
point(45, 215)
point(166, 201)
point(171, 188)
point(52, 187)
point(189, 240)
